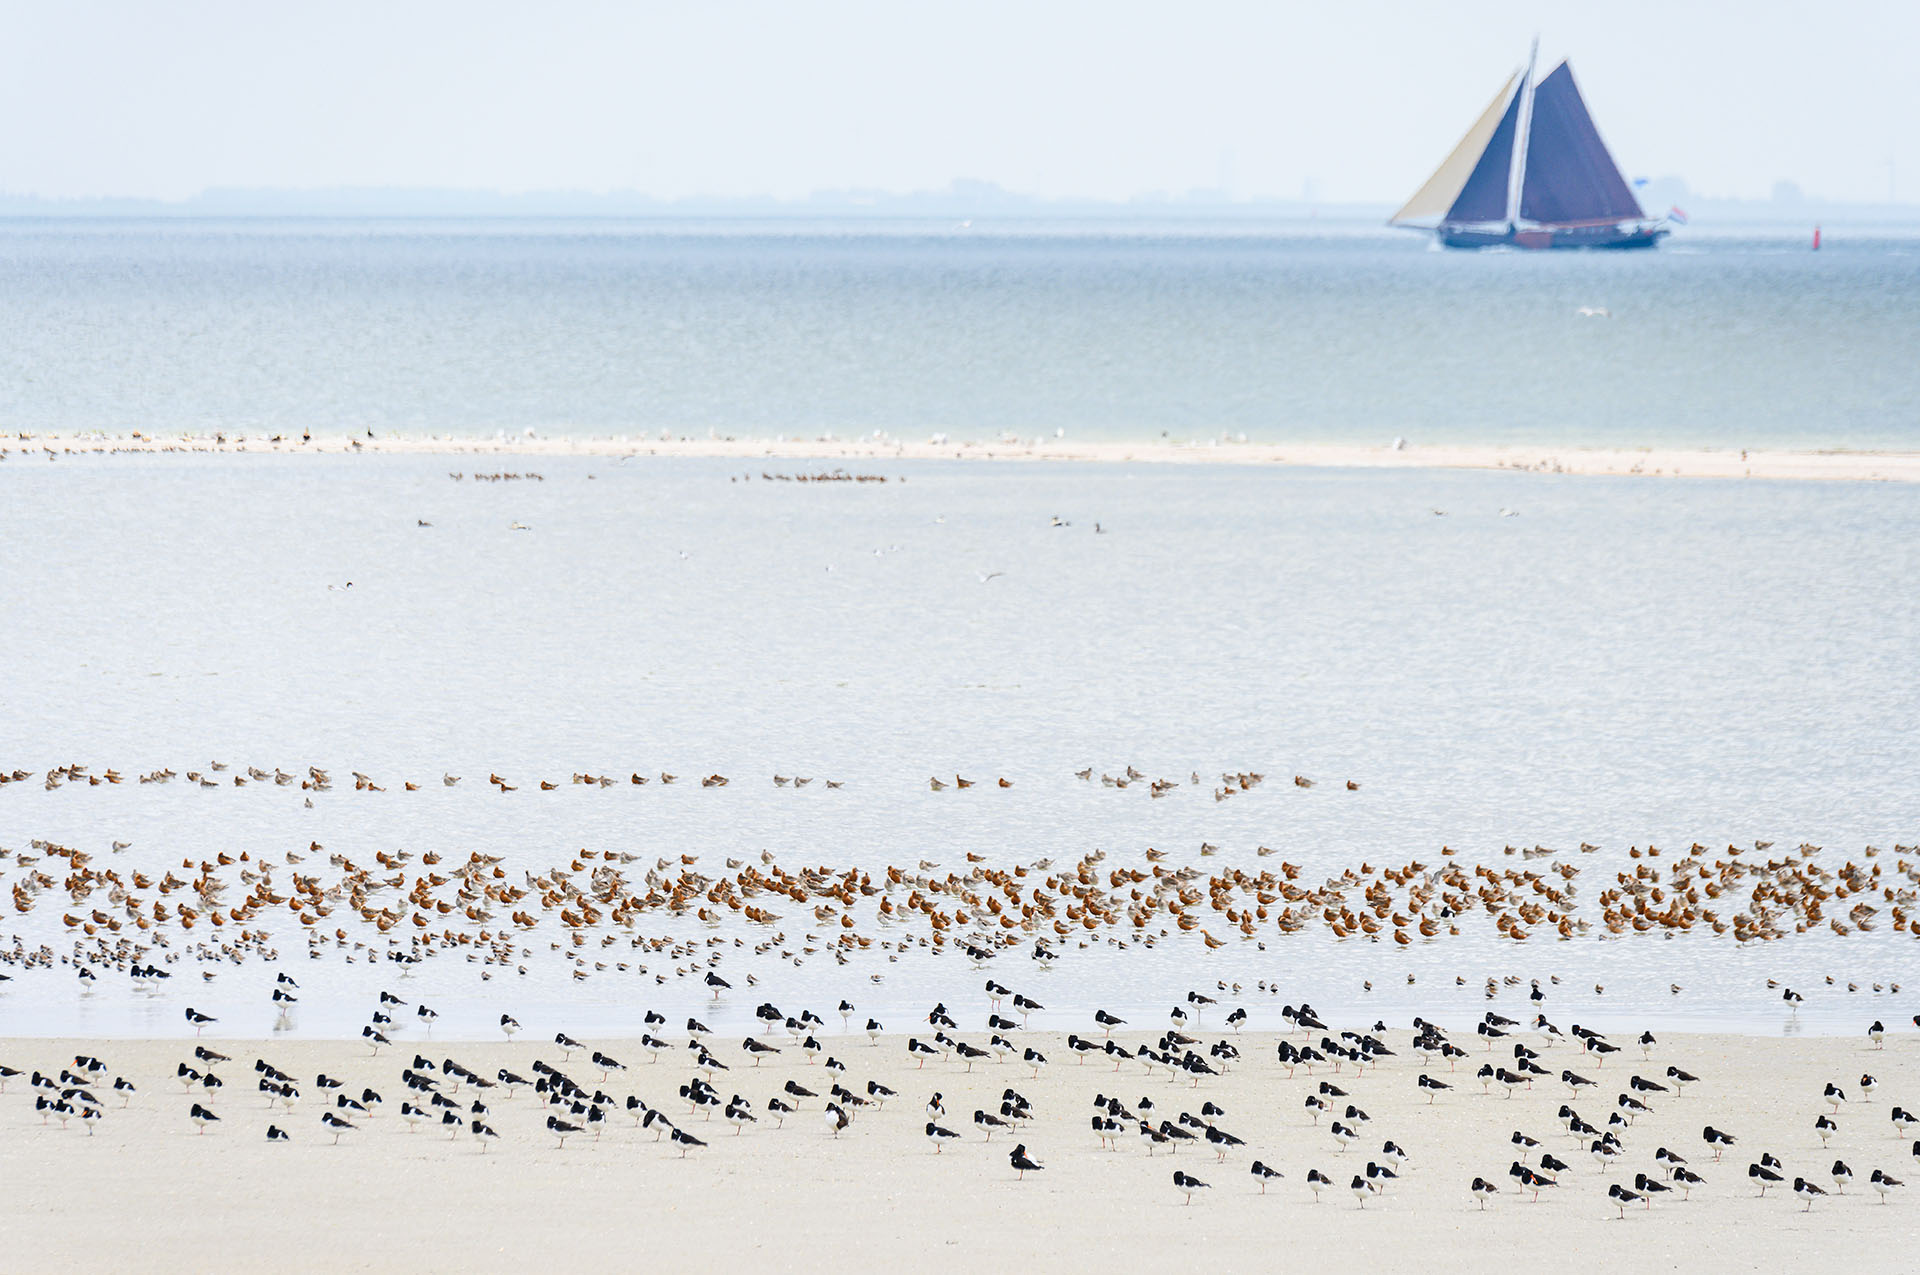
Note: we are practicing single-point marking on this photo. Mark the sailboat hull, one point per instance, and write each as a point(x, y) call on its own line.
point(1611, 236)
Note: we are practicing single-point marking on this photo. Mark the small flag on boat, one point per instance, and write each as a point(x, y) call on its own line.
point(1677, 215)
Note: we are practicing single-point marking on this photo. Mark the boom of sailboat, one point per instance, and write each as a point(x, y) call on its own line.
point(1532, 172)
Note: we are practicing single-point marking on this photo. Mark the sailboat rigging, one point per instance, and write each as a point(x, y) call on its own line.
point(1532, 172)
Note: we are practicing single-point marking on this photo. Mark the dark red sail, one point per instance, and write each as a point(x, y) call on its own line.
point(1570, 177)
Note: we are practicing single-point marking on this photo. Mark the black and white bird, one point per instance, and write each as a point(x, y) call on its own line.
point(1841, 1176)
point(1363, 1188)
point(988, 1121)
point(1022, 1163)
point(1530, 1179)
point(938, 1135)
point(1765, 1176)
point(201, 1117)
point(1263, 1174)
point(335, 1125)
point(1718, 1141)
point(199, 1020)
point(1622, 1197)
point(1188, 1183)
point(1483, 1191)
point(1222, 1141)
point(1808, 1192)
point(1826, 1128)
point(1884, 1185)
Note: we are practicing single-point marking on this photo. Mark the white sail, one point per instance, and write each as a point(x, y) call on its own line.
point(1434, 198)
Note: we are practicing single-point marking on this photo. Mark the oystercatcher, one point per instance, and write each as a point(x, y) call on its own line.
point(1188, 1183)
point(1022, 1163)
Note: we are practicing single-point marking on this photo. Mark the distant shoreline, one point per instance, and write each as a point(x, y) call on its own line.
point(1665, 462)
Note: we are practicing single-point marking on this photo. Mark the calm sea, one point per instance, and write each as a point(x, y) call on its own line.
point(1300, 332)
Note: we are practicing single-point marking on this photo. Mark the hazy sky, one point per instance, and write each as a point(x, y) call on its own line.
point(709, 96)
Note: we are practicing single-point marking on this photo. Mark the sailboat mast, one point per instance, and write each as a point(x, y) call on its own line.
point(1524, 125)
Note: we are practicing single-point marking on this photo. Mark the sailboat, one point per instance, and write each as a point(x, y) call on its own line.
point(1532, 172)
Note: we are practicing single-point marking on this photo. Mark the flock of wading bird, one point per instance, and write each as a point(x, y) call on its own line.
point(1305, 1128)
point(597, 899)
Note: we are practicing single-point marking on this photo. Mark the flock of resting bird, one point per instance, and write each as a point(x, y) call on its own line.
point(615, 911)
point(1316, 1072)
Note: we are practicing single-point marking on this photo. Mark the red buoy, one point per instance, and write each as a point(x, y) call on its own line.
point(1816, 239)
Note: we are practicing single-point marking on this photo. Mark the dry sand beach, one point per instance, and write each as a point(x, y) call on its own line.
point(145, 1191)
point(1835, 465)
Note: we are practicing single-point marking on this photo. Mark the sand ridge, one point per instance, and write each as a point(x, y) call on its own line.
point(1672, 462)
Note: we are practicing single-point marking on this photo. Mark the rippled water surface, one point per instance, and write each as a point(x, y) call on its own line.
point(1554, 660)
point(1335, 333)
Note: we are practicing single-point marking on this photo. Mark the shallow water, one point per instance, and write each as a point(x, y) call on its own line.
point(1620, 661)
point(1325, 333)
